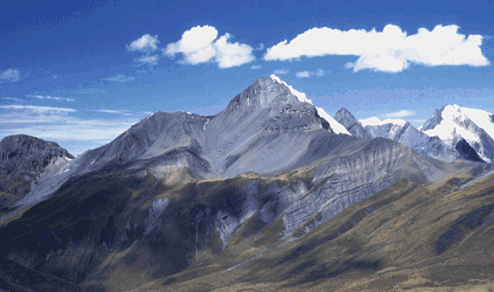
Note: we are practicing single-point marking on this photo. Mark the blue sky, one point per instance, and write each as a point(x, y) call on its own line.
point(82, 73)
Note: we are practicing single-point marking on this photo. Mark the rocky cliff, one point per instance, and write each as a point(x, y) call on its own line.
point(22, 159)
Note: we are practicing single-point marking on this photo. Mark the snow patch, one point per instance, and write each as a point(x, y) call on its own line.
point(447, 130)
point(374, 121)
point(300, 95)
point(337, 127)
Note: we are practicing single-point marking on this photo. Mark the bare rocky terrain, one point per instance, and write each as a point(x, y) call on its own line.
point(262, 196)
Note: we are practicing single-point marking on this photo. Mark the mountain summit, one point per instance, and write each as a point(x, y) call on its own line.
point(453, 123)
point(400, 131)
point(22, 159)
point(179, 192)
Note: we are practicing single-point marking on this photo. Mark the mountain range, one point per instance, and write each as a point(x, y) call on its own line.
point(271, 193)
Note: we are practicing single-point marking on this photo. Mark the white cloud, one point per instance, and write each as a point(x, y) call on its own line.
point(281, 71)
point(89, 91)
point(303, 74)
point(119, 78)
point(51, 97)
point(255, 67)
point(151, 60)
point(39, 109)
point(10, 74)
point(400, 114)
point(232, 54)
point(57, 124)
point(306, 74)
point(391, 50)
point(119, 112)
point(145, 44)
point(200, 45)
point(11, 98)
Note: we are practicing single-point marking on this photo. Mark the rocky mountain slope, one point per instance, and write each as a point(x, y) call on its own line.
point(402, 132)
point(454, 124)
point(266, 128)
point(178, 191)
point(22, 159)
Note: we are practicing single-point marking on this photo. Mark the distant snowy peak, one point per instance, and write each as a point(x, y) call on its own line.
point(337, 127)
point(453, 123)
point(374, 121)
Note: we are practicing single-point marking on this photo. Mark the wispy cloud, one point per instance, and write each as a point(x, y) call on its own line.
point(50, 97)
point(201, 45)
point(120, 78)
point(146, 44)
point(307, 74)
point(150, 60)
point(89, 91)
point(391, 50)
point(400, 114)
point(11, 98)
point(58, 124)
point(281, 71)
point(255, 67)
point(10, 75)
point(303, 74)
point(39, 109)
point(118, 112)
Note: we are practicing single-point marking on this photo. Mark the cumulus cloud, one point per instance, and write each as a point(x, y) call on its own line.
point(400, 114)
point(145, 44)
point(255, 67)
point(281, 71)
point(201, 44)
point(391, 50)
point(119, 78)
point(319, 72)
point(10, 75)
point(303, 74)
point(50, 97)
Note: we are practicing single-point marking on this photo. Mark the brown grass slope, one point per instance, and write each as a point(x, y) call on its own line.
point(432, 237)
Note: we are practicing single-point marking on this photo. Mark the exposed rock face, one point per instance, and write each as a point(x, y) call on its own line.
point(453, 124)
point(27, 155)
point(22, 159)
point(344, 117)
point(175, 188)
point(263, 129)
point(399, 131)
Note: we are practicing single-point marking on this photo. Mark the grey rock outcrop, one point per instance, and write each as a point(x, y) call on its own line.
point(403, 133)
point(463, 125)
point(344, 117)
point(23, 159)
point(27, 155)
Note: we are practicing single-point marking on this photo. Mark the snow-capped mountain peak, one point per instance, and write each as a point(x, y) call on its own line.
point(374, 121)
point(453, 123)
point(337, 127)
point(300, 95)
